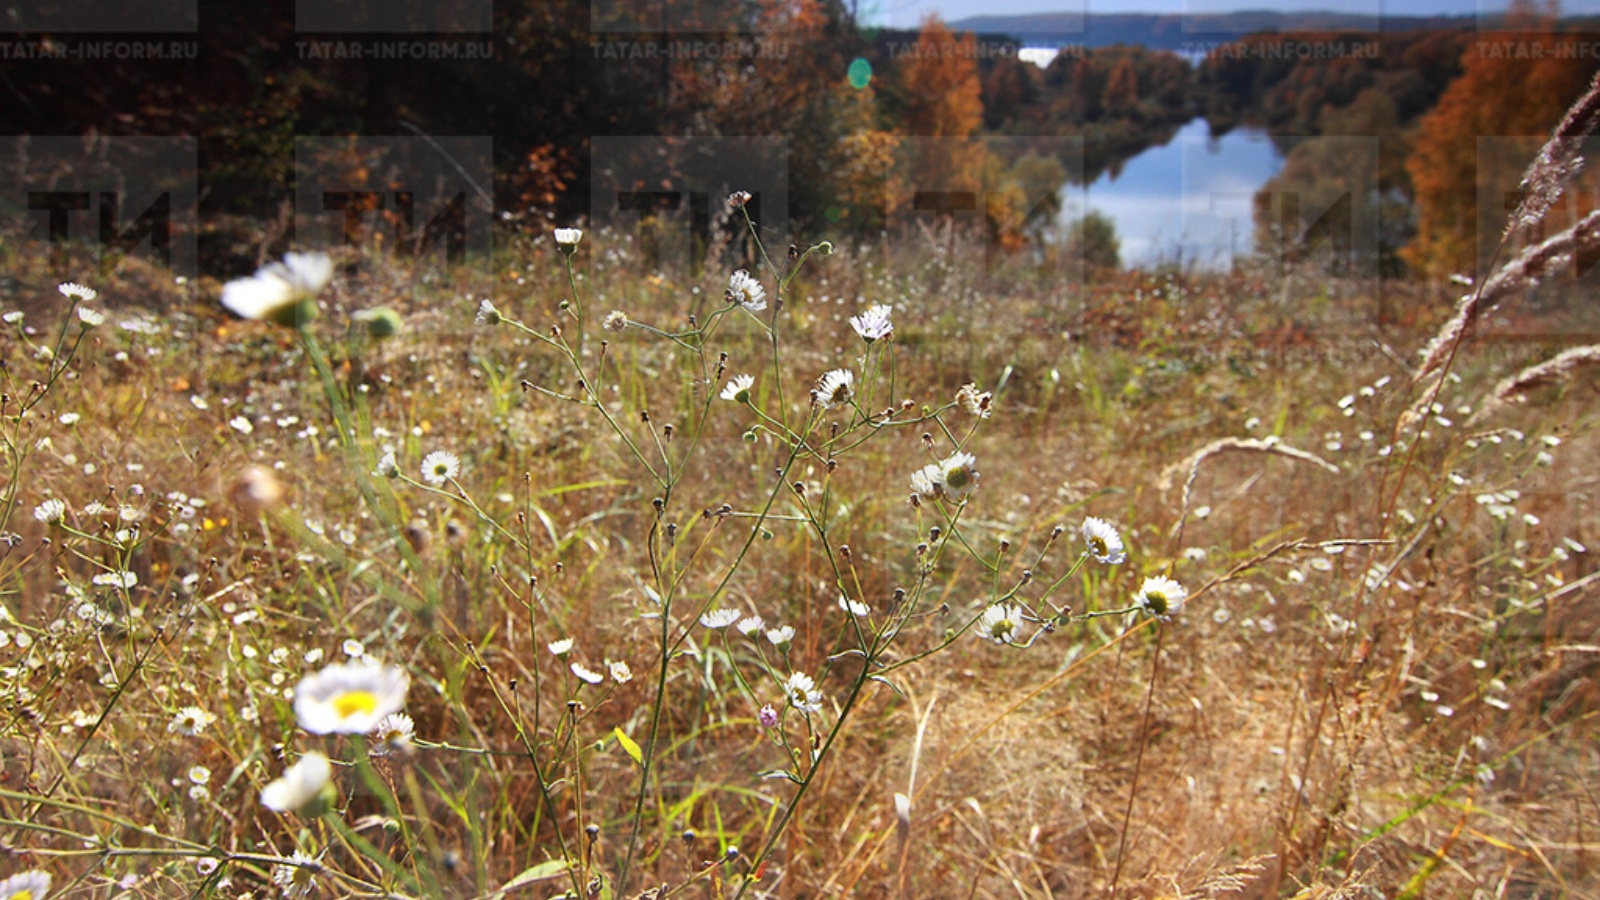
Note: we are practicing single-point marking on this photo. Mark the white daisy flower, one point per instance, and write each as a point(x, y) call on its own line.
point(750, 625)
point(350, 698)
point(620, 673)
point(388, 466)
point(299, 877)
point(299, 789)
point(719, 618)
point(440, 466)
point(738, 388)
point(616, 320)
point(117, 578)
point(803, 694)
point(488, 314)
point(392, 734)
point(50, 511)
point(1161, 597)
point(34, 885)
point(568, 238)
point(586, 674)
point(199, 775)
point(999, 623)
point(561, 647)
point(75, 291)
point(854, 607)
point(91, 318)
point(874, 324)
point(746, 291)
point(1105, 544)
point(834, 388)
point(954, 478)
point(282, 292)
point(780, 636)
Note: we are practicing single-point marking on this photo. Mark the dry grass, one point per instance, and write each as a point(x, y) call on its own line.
point(1384, 679)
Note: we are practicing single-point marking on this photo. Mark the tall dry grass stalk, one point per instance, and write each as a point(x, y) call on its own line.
point(1191, 464)
point(1556, 370)
point(1558, 162)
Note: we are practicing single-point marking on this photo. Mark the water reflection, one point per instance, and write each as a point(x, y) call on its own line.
point(1187, 202)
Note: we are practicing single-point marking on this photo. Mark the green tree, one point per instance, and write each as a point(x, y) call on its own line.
point(1093, 240)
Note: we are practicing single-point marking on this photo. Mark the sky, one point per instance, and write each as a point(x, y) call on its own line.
point(908, 13)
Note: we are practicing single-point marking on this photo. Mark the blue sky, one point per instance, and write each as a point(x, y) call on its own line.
point(907, 13)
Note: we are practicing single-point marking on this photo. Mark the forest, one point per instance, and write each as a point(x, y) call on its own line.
point(850, 104)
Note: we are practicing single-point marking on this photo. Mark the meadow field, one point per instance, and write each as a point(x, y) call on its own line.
point(688, 585)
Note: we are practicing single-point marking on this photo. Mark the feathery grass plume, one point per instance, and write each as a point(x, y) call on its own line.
point(1191, 463)
point(1534, 263)
point(1246, 445)
point(1558, 368)
point(1558, 161)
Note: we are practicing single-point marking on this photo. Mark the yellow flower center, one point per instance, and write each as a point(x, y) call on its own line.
point(353, 702)
point(21, 895)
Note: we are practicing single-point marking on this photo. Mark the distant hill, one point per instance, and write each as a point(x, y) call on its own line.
point(1181, 33)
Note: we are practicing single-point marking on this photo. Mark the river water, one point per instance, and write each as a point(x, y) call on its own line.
point(1187, 202)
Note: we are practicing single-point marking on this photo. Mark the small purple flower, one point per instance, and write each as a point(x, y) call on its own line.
point(769, 717)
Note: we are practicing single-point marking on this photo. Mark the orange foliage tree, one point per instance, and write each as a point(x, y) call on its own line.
point(945, 104)
point(946, 93)
point(1517, 84)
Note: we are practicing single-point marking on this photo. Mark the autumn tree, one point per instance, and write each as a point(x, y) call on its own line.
point(1122, 87)
point(1008, 86)
point(946, 93)
point(1517, 85)
point(945, 104)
